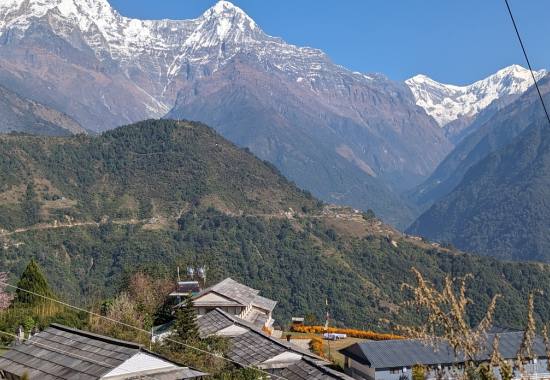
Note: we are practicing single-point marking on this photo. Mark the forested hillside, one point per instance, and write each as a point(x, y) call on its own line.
point(158, 194)
point(501, 207)
point(153, 168)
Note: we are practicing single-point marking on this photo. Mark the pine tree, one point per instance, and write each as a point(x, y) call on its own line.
point(185, 324)
point(34, 281)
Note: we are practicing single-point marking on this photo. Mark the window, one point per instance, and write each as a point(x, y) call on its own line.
point(395, 371)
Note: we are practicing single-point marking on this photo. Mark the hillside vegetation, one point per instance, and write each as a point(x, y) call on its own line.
point(501, 207)
point(153, 168)
point(158, 194)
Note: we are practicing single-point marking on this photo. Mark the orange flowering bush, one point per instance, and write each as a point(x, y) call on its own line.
point(267, 330)
point(316, 346)
point(363, 334)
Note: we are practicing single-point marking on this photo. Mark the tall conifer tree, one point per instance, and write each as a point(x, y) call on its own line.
point(32, 279)
point(185, 325)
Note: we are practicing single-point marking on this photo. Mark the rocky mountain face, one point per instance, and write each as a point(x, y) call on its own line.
point(461, 109)
point(493, 134)
point(348, 137)
point(499, 206)
point(19, 114)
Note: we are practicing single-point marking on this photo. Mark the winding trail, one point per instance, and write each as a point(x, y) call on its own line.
point(53, 226)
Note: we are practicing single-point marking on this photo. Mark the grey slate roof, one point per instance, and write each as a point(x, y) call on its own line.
point(236, 291)
point(213, 322)
point(264, 303)
point(404, 353)
point(252, 348)
point(218, 319)
point(60, 352)
point(308, 370)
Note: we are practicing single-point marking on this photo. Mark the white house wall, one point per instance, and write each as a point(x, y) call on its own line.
point(231, 331)
point(139, 363)
point(213, 298)
point(281, 360)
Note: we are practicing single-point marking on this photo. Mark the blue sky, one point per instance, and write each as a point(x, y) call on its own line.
point(453, 41)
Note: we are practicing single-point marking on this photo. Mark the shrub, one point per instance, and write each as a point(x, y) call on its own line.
point(364, 334)
point(316, 346)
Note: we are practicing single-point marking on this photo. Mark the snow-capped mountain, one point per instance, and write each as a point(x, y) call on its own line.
point(348, 137)
point(447, 103)
point(165, 49)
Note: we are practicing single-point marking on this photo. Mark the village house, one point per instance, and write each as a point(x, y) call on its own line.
point(238, 300)
point(395, 359)
point(60, 352)
point(250, 346)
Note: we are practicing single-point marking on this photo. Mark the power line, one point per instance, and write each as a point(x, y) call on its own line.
point(71, 354)
point(527, 59)
point(142, 330)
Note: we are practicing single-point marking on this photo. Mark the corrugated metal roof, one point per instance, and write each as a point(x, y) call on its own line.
point(408, 352)
point(188, 287)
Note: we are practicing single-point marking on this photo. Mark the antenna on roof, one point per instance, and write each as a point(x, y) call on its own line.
point(201, 273)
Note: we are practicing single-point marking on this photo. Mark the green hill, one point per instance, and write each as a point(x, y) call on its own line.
point(153, 168)
point(160, 194)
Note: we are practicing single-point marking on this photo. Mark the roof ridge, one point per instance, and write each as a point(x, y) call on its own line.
point(215, 288)
point(99, 337)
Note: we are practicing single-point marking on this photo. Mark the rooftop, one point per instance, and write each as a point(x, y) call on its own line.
point(60, 352)
point(236, 294)
point(263, 303)
point(230, 288)
point(252, 345)
point(407, 352)
point(307, 370)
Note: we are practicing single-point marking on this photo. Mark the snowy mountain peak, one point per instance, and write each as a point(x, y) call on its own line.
point(446, 102)
point(224, 21)
point(223, 7)
point(226, 9)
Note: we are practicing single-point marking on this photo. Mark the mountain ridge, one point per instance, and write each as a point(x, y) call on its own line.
point(27, 116)
point(86, 54)
point(447, 103)
point(493, 200)
point(493, 133)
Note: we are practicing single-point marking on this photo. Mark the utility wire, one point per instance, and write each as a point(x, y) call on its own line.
point(270, 375)
point(71, 354)
point(527, 58)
